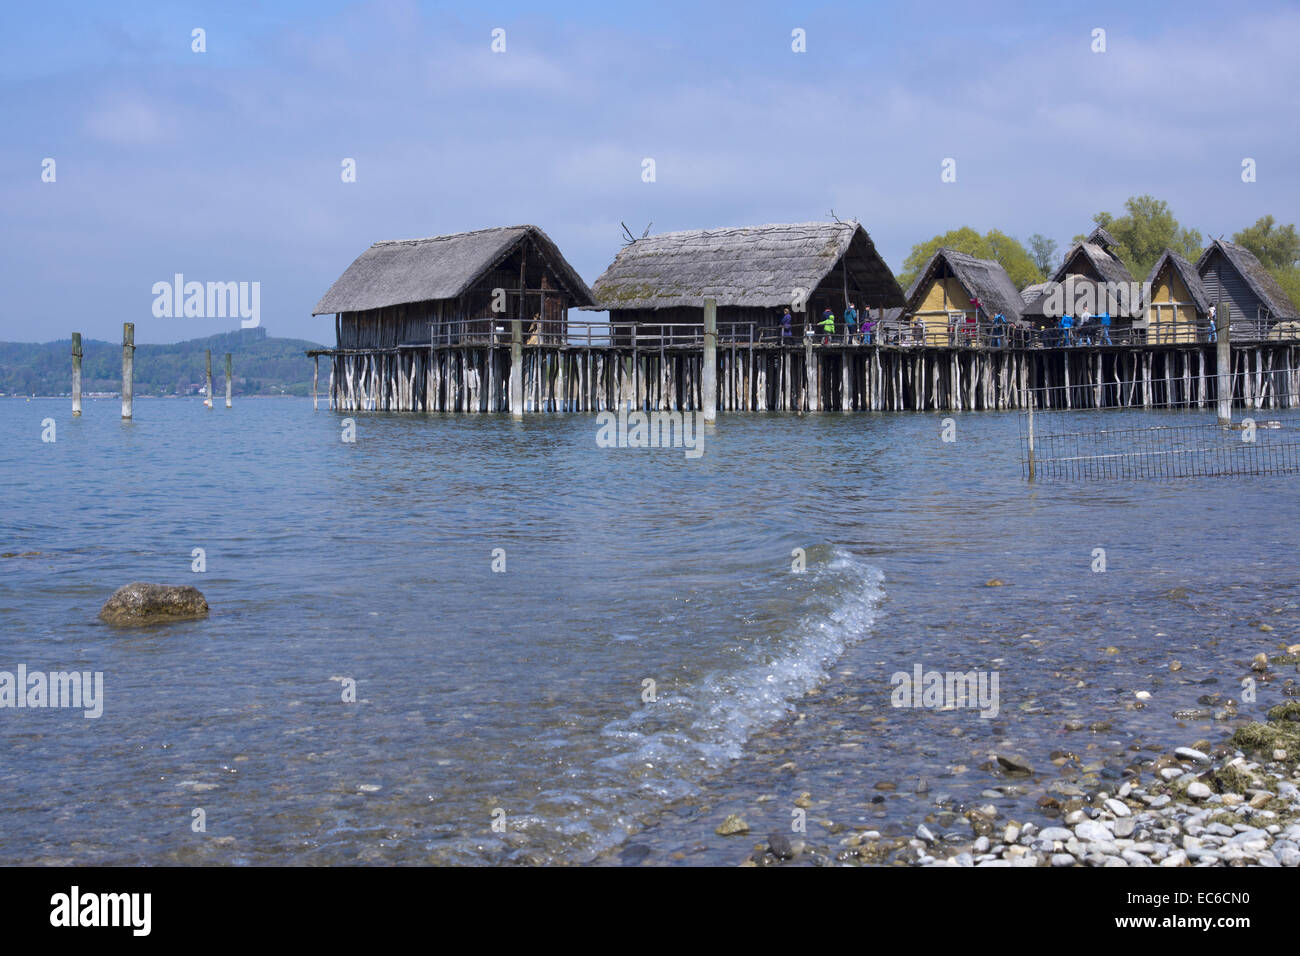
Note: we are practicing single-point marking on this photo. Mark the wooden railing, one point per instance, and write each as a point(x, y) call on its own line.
point(989, 335)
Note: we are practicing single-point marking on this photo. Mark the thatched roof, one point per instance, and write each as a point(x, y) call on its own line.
point(399, 271)
point(1107, 264)
point(984, 279)
point(1031, 292)
point(1103, 261)
point(747, 266)
point(1100, 237)
point(1252, 271)
point(1186, 272)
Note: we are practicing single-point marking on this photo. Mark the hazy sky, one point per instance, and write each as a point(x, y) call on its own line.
point(225, 165)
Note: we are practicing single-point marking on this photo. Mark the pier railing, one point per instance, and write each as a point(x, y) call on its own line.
point(994, 335)
point(500, 332)
point(959, 334)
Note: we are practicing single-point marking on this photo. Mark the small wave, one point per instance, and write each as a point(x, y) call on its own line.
point(664, 750)
point(666, 746)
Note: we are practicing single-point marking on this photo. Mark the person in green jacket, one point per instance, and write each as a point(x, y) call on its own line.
point(828, 327)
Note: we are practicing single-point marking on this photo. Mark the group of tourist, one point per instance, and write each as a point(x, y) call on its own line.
point(868, 330)
point(1090, 327)
point(854, 332)
point(962, 328)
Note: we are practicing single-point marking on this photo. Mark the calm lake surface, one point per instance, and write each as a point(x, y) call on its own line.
point(518, 696)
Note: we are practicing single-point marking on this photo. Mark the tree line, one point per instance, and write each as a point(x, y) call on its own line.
point(1142, 232)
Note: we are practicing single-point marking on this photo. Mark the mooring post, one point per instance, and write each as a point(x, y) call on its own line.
point(128, 367)
point(210, 403)
point(516, 369)
point(709, 373)
point(1223, 363)
point(1031, 437)
point(228, 387)
point(315, 378)
point(76, 374)
point(810, 376)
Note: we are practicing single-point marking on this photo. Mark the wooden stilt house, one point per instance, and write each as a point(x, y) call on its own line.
point(1230, 273)
point(1092, 278)
point(956, 297)
point(753, 273)
point(455, 289)
point(1178, 308)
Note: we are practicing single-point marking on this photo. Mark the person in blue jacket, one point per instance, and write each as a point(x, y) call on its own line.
point(786, 321)
point(1067, 323)
point(1104, 337)
point(850, 323)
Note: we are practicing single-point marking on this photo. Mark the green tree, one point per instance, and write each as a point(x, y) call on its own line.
point(1043, 252)
point(1145, 230)
point(1288, 277)
point(1277, 248)
point(1013, 257)
point(1005, 250)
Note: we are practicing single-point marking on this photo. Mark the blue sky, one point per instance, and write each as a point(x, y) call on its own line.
point(225, 165)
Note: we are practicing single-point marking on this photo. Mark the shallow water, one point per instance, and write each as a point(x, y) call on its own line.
point(518, 696)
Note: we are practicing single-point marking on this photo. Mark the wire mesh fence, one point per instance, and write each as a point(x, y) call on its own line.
point(1171, 439)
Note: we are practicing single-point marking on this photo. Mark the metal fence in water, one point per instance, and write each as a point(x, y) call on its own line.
point(1181, 439)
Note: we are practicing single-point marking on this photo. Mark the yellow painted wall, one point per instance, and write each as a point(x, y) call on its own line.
point(1171, 323)
point(933, 311)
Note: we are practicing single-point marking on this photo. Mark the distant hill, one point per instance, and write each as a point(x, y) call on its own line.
point(262, 366)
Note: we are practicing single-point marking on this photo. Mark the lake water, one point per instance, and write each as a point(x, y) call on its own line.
point(519, 697)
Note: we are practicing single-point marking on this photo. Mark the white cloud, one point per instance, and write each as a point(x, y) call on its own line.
point(127, 120)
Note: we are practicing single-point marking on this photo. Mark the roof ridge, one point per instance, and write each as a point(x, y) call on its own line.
point(451, 235)
point(723, 230)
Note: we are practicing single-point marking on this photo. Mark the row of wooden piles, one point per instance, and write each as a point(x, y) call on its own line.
point(818, 378)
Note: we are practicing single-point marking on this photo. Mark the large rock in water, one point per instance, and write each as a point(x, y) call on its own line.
point(141, 603)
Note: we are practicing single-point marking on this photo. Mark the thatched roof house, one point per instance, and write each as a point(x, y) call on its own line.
point(1176, 301)
point(753, 272)
point(1230, 273)
point(1091, 277)
point(395, 290)
point(1172, 265)
point(984, 280)
point(955, 293)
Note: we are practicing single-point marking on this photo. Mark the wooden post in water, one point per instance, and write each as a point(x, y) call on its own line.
point(315, 378)
point(210, 402)
point(128, 367)
point(1031, 437)
point(709, 371)
point(516, 369)
point(1223, 364)
point(811, 383)
point(76, 374)
point(228, 386)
